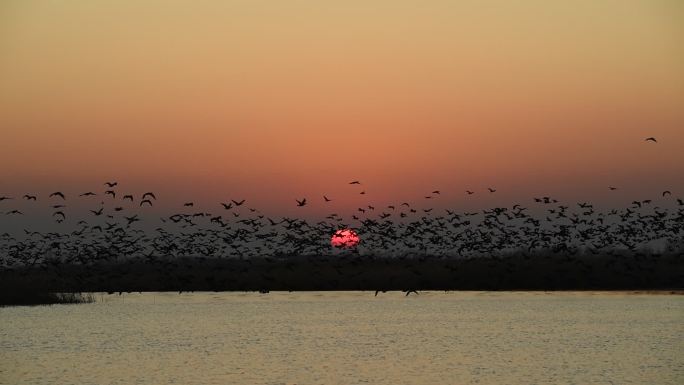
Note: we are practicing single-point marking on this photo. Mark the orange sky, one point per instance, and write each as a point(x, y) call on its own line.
point(275, 100)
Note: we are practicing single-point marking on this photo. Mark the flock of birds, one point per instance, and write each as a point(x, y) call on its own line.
point(112, 231)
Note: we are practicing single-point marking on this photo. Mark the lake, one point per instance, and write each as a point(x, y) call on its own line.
point(348, 338)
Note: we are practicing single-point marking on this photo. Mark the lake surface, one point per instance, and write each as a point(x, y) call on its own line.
point(348, 338)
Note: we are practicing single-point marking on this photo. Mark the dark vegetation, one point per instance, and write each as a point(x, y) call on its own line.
point(350, 272)
point(27, 296)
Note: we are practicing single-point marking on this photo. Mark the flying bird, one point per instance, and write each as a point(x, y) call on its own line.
point(355, 182)
point(145, 201)
point(651, 139)
point(145, 195)
point(111, 184)
point(57, 194)
point(491, 190)
point(236, 203)
point(30, 197)
point(667, 192)
point(87, 194)
point(612, 188)
point(130, 197)
point(188, 204)
point(227, 206)
point(110, 192)
point(301, 203)
point(326, 198)
point(470, 192)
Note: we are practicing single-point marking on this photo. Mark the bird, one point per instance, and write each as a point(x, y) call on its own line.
point(129, 197)
point(227, 206)
point(491, 190)
point(149, 194)
point(145, 201)
point(5, 198)
point(362, 193)
point(470, 192)
point(110, 192)
point(651, 139)
point(14, 212)
point(301, 203)
point(436, 192)
point(355, 182)
point(667, 192)
point(188, 204)
point(57, 194)
point(30, 197)
point(612, 188)
point(98, 212)
point(87, 194)
point(326, 198)
point(111, 184)
point(236, 203)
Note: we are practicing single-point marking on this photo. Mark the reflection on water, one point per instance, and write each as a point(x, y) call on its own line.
point(347, 338)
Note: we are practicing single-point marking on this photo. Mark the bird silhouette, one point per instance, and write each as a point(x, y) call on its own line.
point(238, 203)
point(326, 198)
point(57, 194)
point(355, 182)
point(149, 202)
point(491, 190)
point(149, 194)
point(301, 203)
point(30, 197)
point(111, 184)
point(651, 139)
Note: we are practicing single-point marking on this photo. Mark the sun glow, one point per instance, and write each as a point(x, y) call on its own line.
point(345, 238)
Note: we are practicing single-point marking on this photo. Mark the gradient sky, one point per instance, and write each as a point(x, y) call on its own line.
point(277, 100)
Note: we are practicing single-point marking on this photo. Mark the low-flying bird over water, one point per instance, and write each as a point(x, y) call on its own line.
point(651, 139)
point(301, 203)
point(188, 204)
point(110, 192)
point(111, 184)
point(238, 203)
point(129, 197)
point(149, 202)
point(57, 194)
point(667, 192)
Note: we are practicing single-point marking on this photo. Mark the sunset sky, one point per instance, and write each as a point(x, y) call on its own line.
point(279, 100)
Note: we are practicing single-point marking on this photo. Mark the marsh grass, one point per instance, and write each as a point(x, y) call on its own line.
point(33, 298)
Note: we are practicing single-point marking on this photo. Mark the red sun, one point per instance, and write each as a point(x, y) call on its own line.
point(345, 238)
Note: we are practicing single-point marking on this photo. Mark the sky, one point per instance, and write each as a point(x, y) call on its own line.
point(274, 101)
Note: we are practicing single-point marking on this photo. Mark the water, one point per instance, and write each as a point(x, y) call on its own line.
point(348, 338)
